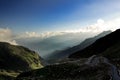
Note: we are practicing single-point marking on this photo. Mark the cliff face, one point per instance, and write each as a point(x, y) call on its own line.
point(16, 59)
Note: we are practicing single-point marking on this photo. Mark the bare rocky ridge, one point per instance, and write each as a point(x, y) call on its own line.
point(93, 68)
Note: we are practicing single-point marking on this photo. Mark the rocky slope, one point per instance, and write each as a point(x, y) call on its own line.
point(93, 68)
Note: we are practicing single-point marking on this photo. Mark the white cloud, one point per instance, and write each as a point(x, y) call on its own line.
point(112, 24)
point(56, 33)
point(100, 21)
point(95, 27)
point(40, 35)
point(31, 34)
point(99, 26)
point(107, 25)
point(7, 36)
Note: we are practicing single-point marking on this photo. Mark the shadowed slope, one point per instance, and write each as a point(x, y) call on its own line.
point(100, 46)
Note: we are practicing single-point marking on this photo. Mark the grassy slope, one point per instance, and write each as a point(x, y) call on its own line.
point(15, 59)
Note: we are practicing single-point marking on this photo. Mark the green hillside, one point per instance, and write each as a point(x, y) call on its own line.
point(16, 59)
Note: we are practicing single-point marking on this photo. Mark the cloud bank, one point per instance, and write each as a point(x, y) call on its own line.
point(102, 25)
point(41, 35)
point(7, 36)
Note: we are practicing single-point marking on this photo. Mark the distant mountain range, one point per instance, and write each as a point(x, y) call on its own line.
point(108, 46)
point(60, 54)
point(46, 46)
point(16, 59)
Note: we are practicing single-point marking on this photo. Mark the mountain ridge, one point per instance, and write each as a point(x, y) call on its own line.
point(99, 46)
point(66, 52)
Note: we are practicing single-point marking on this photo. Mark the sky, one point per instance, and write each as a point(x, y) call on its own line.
point(55, 15)
point(49, 25)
